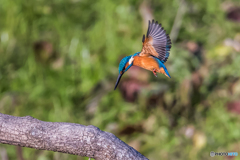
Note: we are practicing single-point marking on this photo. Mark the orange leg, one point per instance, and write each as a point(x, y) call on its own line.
point(155, 72)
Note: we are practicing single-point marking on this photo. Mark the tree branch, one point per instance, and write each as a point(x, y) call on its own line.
point(69, 138)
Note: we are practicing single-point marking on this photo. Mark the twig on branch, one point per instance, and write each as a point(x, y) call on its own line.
point(69, 138)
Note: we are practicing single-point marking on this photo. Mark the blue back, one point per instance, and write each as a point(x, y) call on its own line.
point(124, 61)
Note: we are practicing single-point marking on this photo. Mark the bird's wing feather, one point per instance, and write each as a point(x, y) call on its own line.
point(157, 43)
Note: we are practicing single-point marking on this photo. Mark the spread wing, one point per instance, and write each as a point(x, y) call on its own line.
point(157, 43)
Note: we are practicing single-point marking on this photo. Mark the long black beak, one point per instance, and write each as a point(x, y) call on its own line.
point(118, 80)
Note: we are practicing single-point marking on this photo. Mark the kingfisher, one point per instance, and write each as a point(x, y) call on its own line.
point(155, 52)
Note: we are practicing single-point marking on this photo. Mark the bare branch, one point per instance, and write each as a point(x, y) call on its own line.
point(69, 138)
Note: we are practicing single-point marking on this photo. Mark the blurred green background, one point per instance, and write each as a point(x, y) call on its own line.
point(59, 62)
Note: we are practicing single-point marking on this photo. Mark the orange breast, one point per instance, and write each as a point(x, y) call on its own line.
point(147, 63)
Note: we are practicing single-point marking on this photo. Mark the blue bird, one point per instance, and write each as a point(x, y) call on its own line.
point(154, 54)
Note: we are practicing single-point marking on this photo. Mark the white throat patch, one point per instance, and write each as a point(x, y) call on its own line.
point(131, 60)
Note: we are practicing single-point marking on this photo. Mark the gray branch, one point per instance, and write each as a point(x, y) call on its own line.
point(69, 138)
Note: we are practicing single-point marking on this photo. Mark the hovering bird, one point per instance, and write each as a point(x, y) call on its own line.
point(155, 52)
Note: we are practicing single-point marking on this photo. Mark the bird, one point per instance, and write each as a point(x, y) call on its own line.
point(155, 52)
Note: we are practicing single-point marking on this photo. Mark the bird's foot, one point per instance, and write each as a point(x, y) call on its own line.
point(155, 72)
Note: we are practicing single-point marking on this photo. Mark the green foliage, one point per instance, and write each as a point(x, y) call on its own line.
point(88, 40)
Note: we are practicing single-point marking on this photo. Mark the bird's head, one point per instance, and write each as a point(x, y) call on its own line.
point(124, 65)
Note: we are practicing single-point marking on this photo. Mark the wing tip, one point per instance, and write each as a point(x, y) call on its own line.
point(149, 24)
point(143, 39)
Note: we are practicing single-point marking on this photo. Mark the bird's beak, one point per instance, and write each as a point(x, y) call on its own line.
point(118, 80)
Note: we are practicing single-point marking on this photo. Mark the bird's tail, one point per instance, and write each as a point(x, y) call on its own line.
point(164, 71)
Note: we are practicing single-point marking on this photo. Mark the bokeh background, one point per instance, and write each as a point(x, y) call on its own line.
point(59, 62)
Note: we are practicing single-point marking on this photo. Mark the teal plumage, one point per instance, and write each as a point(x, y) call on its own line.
point(123, 63)
point(125, 60)
point(160, 63)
